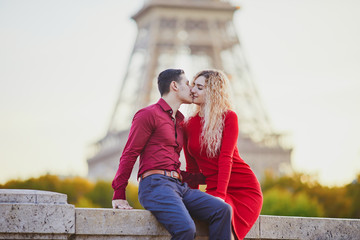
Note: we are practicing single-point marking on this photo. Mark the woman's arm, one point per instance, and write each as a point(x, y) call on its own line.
point(228, 146)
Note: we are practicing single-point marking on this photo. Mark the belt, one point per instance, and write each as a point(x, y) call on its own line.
point(173, 174)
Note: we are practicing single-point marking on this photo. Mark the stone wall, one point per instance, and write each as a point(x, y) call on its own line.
point(32, 214)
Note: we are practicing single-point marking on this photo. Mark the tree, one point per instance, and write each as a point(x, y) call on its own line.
point(281, 202)
point(132, 196)
point(335, 201)
point(353, 191)
point(101, 194)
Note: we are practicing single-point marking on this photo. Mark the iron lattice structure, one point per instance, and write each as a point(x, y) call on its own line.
point(192, 35)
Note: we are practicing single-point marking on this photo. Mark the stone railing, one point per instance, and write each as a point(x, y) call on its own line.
point(32, 214)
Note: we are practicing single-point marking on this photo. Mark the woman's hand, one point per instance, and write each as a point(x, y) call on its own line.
point(220, 198)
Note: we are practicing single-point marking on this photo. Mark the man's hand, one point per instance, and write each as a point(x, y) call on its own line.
point(121, 204)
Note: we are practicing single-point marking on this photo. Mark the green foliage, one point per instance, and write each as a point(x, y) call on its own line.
point(295, 195)
point(279, 201)
point(46, 182)
point(353, 192)
point(132, 196)
point(75, 188)
point(84, 202)
point(309, 197)
point(80, 191)
point(101, 194)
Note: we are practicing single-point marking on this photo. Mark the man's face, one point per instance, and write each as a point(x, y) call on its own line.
point(184, 89)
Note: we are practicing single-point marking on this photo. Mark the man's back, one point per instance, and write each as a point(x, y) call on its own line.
point(157, 137)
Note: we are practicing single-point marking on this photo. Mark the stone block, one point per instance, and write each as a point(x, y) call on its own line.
point(37, 218)
point(31, 196)
point(33, 236)
point(254, 232)
point(117, 222)
point(31, 214)
point(130, 224)
point(280, 227)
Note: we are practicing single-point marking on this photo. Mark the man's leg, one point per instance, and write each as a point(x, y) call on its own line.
point(161, 195)
point(208, 208)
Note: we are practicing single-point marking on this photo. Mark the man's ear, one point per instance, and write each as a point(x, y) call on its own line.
point(174, 85)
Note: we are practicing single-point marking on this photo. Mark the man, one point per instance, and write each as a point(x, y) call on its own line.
point(156, 135)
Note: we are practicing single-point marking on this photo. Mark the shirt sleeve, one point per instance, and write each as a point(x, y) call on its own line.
point(141, 129)
point(228, 146)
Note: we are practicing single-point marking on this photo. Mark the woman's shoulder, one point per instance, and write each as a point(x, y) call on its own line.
point(190, 120)
point(230, 115)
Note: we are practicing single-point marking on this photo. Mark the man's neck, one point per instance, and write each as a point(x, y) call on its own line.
point(173, 103)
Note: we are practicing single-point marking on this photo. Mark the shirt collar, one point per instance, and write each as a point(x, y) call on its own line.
point(165, 106)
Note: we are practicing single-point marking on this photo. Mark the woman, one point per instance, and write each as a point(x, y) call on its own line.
point(211, 149)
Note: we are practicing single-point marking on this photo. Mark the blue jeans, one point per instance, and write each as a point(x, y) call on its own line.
point(174, 204)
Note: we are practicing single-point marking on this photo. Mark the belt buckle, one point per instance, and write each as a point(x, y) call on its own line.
point(172, 174)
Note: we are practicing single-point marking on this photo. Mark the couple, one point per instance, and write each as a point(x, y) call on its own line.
point(158, 133)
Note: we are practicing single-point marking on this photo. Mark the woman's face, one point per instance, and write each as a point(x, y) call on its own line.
point(198, 90)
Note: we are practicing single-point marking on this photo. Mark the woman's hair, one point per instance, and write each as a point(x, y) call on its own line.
point(217, 103)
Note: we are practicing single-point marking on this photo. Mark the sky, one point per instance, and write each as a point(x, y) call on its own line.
point(62, 63)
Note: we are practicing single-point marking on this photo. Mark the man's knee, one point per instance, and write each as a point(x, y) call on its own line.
point(187, 231)
point(225, 209)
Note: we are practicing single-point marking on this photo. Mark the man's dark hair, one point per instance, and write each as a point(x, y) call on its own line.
point(166, 77)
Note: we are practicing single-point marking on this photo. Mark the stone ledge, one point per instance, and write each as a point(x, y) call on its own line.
point(108, 223)
point(31, 214)
point(31, 196)
point(33, 236)
point(131, 224)
point(280, 227)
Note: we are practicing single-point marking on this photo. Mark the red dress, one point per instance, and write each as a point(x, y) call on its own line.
point(227, 175)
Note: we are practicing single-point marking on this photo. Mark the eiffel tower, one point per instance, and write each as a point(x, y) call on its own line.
point(192, 35)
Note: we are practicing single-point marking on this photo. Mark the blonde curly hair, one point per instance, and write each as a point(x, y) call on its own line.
point(217, 103)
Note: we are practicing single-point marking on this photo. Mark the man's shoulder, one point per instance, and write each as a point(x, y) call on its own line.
point(149, 112)
point(151, 109)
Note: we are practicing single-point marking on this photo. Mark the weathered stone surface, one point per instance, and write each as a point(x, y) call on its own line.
point(122, 237)
point(279, 227)
point(26, 213)
point(254, 233)
point(124, 223)
point(33, 236)
point(31, 196)
point(30, 214)
point(117, 222)
point(37, 218)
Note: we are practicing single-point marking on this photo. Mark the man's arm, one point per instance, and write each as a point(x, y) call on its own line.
point(140, 132)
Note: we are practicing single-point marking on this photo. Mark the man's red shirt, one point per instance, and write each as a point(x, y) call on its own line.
point(157, 137)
